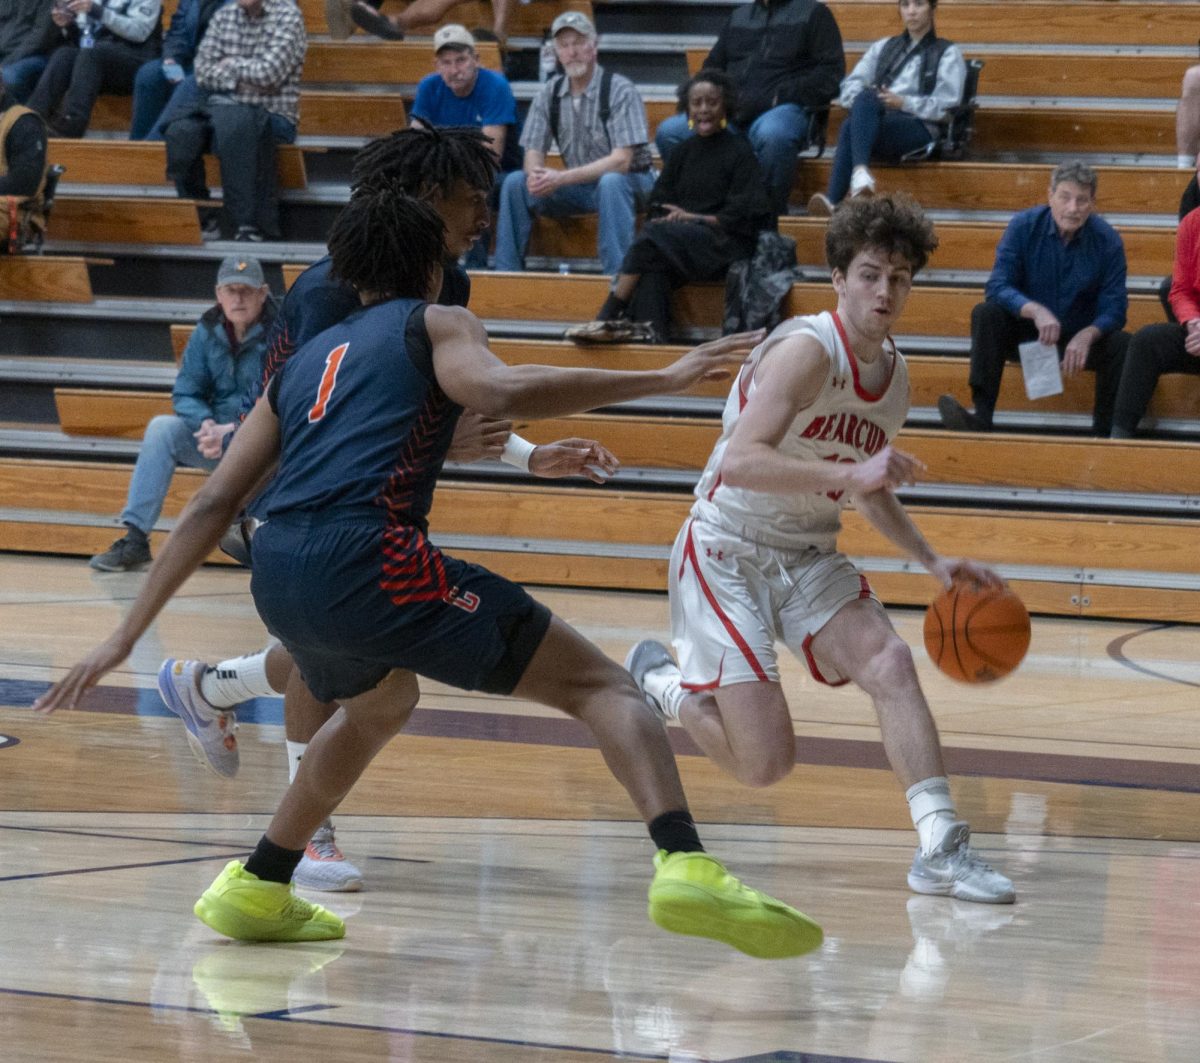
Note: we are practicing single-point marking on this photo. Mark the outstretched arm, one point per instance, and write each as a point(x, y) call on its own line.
point(475, 378)
point(251, 456)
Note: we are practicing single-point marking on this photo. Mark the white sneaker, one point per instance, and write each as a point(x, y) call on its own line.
point(210, 732)
point(953, 870)
point(323, 867)
point(649, 656)
point(861, 182)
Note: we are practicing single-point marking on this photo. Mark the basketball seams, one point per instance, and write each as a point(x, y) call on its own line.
point(957, 620)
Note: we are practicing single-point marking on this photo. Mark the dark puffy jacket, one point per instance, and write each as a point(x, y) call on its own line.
point(780, 51)
point(25, 29)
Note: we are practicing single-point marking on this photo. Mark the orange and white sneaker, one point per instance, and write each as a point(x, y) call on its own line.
point(323, 867)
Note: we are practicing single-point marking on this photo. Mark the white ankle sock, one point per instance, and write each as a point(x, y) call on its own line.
point(932, 810)
point(665, 686)
point(236, 680)
point(295, 752)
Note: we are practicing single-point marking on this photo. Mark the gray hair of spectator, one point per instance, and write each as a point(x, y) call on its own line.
point(895, 224)
point(387, 242)
point(419, 161)
point(709, 77)
point(1077, 172)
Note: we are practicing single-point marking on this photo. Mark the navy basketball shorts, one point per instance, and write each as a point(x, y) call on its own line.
point(351, 598)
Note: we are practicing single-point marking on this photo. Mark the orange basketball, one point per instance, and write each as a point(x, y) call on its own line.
point(976, 635)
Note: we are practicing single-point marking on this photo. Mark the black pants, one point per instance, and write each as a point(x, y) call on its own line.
point(75, 77)
point(243, 138)
point(995, 335)
point(1154, 350)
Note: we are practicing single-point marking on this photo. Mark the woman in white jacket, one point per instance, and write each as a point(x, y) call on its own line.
point(897, 94)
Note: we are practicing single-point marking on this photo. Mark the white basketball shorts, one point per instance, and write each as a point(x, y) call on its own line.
point(731, 599)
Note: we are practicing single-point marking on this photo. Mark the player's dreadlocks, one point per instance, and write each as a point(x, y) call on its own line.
point(418, 161)
point(894, 223)
point(387, 242)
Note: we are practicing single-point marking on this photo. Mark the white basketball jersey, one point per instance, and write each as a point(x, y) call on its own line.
point(845, 423)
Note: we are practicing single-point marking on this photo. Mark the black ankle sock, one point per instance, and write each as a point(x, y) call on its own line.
point(272, 863)
point(675, 832)
point(133, 532)
point(612, 309)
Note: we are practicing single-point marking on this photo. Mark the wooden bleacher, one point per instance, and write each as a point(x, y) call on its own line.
point(45, 278)
point(144, 162)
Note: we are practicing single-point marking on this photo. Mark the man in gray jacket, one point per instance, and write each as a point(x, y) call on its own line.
point(222, 360)
point(104, 44)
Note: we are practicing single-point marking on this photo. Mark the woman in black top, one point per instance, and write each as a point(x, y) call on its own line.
point(705, 212)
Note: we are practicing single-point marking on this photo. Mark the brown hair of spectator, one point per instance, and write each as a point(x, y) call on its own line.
point(709, 76)
point(1077, 172)
point(895, 224)
point(421, 161)
point(388, 243)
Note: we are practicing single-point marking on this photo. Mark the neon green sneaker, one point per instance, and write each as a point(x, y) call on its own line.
point(693, 894)
point(242, 906)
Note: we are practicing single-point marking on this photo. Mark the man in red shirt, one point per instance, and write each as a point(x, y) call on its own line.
point(1165, 348)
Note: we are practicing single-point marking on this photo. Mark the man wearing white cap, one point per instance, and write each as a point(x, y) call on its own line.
point(598, 121)
point(222, 360)
point(462, 93)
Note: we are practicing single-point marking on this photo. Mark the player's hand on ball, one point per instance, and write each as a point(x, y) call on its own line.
point(478, 437)
point(65, 694)
point(717, 359)
point(886, 470)
point(952, 570)
point(574, 457)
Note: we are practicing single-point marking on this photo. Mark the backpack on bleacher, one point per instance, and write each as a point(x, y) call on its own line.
point(24, 220)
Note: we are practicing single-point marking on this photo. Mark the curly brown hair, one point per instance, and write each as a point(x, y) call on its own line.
point(895, 224)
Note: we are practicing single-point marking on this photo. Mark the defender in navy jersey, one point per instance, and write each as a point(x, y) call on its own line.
point(806, 429)
point(453, 170)
point(359, 422)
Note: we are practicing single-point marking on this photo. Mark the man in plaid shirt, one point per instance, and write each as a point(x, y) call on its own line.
point(249, 65)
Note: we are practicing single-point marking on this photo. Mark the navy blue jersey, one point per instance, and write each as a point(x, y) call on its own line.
point(317, 301)
point(362, 419)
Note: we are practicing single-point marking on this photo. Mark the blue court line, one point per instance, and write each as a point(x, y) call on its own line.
point(562, 731)
point(124, 867)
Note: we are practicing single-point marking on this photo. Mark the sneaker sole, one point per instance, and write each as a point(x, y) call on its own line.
point(948, 889)
point(768, 931)
point(166, 691)
point(225, 919)
point(353, 885)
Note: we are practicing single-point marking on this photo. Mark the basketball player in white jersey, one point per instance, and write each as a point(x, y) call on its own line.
point(806, 429)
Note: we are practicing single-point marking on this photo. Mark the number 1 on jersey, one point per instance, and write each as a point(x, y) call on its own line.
point(333, 362)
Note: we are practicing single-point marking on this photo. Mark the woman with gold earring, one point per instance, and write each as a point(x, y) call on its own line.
point(705, 212)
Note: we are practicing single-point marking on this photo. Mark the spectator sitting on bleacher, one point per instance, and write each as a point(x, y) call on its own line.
point(1169, 347)
point(1059, 278)
point(1187, 120)
point(787, 60)
point(105, 43)
point(705, 212)
point(222, 361)
point(461, 93)
point(166, 88)
point(22, 172)
point(896, 95)
point(343, 15)
point(248, 66)
point(598, 121)
point(27, 36)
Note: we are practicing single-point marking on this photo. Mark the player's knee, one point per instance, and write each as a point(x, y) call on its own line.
point(766, 771)
point(889, 666)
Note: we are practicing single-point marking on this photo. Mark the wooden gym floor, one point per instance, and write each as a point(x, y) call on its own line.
point(504, 912)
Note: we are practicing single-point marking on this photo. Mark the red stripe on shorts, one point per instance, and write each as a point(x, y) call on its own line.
point(689, 554)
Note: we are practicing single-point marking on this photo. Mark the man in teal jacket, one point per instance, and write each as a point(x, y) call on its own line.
point(223, 359)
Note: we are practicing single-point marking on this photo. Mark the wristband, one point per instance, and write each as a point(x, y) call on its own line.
point(517, 452)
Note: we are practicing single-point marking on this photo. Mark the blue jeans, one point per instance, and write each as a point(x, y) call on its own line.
point(616, 198)
point(777, 137)
point(21, 76)
point(168, 442)
point(872, 131)
point(156, 100)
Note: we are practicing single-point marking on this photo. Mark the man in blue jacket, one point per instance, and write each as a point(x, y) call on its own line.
point(166, 88)
point(1059, 277)
point(222, 361)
